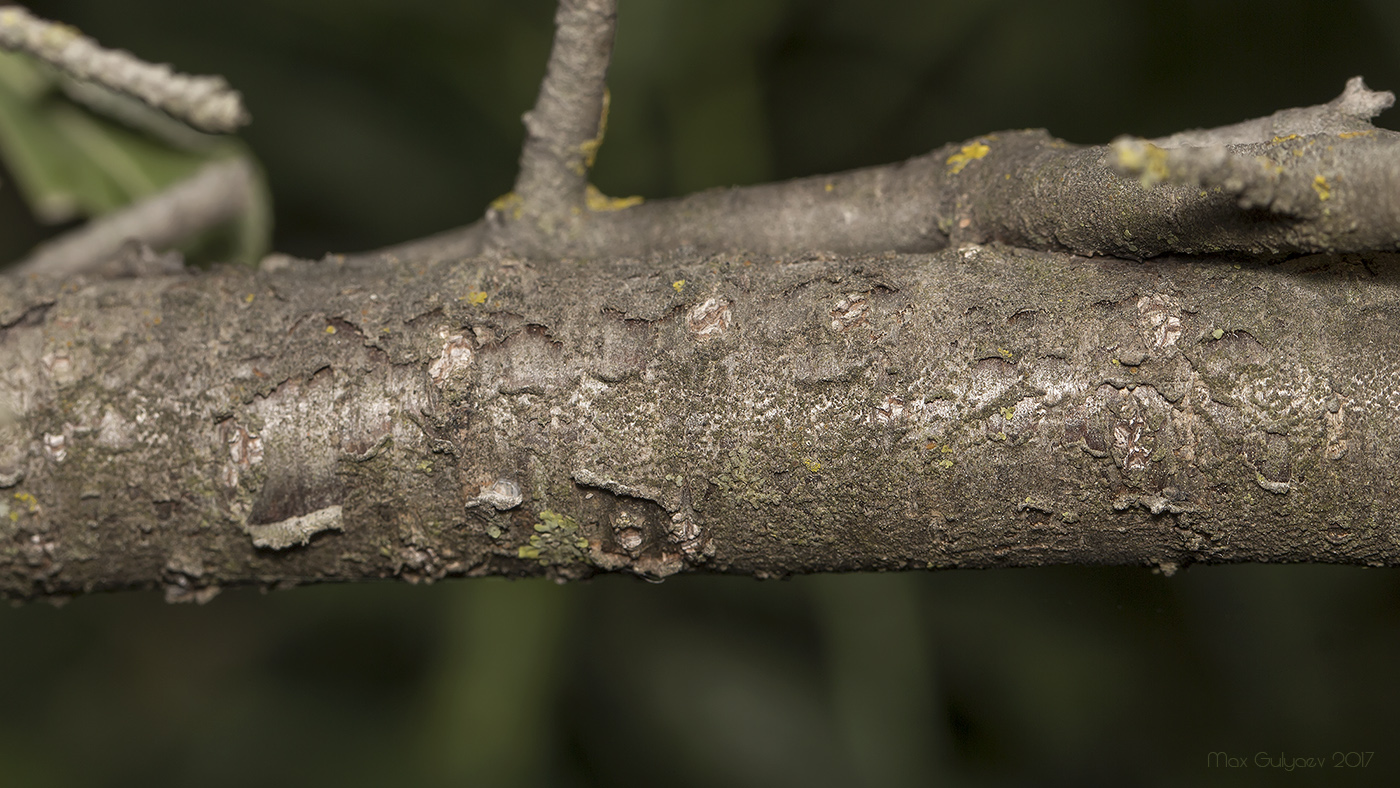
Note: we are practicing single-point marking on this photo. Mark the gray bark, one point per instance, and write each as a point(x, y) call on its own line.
point(429, 416)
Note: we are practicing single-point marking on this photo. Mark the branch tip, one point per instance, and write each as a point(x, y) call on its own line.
point(1359, 101)
point(204, 102)
point(220, 191)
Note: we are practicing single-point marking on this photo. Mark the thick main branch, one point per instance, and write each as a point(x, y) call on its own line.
point(977, 407)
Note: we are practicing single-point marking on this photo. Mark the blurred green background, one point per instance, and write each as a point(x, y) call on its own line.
point(382, 121)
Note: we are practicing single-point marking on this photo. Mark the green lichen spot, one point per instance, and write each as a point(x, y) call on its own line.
point(1217, 333)
point(556, 541)
point(679, 285)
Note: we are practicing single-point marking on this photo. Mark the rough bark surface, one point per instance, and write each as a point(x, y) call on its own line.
point(980, 406)
point(1311, 179)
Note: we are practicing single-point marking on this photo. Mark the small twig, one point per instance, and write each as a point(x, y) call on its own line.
point(1325, 169)
point(563, 130)
point(217, 193)
point(138, 115)
point(205, 102)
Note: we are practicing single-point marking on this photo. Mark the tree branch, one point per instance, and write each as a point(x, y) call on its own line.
point(205, 102)
point(1326, 181)
point(978, 407)
point(655, 405)
point(565, 128)
point(218, 193)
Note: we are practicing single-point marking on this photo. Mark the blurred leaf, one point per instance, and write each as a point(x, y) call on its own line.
point(69, 163)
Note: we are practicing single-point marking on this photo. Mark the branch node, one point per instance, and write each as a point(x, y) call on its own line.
point(565, 128)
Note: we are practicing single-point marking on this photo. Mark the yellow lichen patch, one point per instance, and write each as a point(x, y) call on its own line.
point(1320, 186)
point(509, 202)
point(1148, 160)
point(597, 201)
point(1346, 135)
point(476, 297)
point(812, 465)
point(590, 148)
point(969, 153)
point(330, 329)
point(678, 285)
point(1277, 140)
point(28, 500)
point(830, 186)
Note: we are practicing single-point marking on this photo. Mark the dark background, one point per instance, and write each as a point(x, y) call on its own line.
point(382, 121)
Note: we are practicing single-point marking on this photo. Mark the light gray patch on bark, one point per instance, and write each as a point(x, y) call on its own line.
point(296, 531)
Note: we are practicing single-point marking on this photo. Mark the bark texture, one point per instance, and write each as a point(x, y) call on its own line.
point(429, 416)
point(1311, 179)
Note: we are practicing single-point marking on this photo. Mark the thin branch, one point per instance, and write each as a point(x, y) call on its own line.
point(216, 194)
point(1299, 163)
point(564, 129)
point(1350, 112)
point(205, 102)
point(138, 115)
point(1327, 179)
